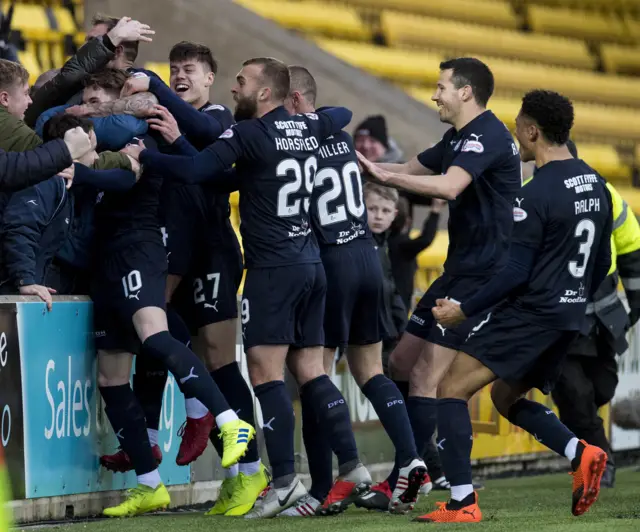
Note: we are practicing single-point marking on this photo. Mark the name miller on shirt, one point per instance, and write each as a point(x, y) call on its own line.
point(332, 150)
point(582, 206)
point(582, 183)
point(308, 144)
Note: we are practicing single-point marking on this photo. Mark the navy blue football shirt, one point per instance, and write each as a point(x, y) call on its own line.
point(338, 212)
point(276, 163)
point(565, 214)
point(481, 217)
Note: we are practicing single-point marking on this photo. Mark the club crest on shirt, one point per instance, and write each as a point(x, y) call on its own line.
point(519, 214)
point(473, 144)
point(227, 134)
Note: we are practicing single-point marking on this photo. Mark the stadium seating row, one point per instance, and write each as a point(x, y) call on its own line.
point(44, 30)
point(421, 67)
point(561, 36)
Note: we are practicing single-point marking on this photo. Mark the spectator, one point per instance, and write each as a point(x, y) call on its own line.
point(103, 48)
point(372, 140)
point(114, 131)
point(403, 249)
point(37, 220)
point(382, 208)
point(20, 170)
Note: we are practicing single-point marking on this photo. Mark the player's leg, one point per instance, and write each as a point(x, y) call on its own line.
point(365, 361)
point(267, 320)
point(331, 410)
point(465, 376)
point(318, 451)
point(537, 355)
point(127, 419)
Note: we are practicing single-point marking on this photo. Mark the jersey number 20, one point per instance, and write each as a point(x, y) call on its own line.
point(355, 205)
point(577, 268)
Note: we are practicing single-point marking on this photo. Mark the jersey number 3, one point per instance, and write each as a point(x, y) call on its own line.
point(577, 268)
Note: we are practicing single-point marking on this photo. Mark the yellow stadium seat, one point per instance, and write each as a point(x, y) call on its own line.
point(65, 21)
point(30, 62)
point(633, 28)
point(435, 255)
point(408, 66)
point(602, 5)
point(621, 59)
point(462, 38)
point(312, 17)
point(591, 120)
point(31, 20)
point(580, 25)
point(606, 161)
point(490, 12)
point(162, 69)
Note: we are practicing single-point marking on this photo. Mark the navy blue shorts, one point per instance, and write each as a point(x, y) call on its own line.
point(124, 282)
point(184, 213)
point(284, 305)
point(354, 295)
point(422, 323)
point(209, 294)
point(517, 350)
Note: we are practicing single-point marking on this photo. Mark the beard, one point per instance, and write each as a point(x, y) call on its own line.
point(246, 108)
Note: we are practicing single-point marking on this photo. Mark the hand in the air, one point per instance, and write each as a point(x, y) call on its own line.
point(129, 30)
point(373, 169)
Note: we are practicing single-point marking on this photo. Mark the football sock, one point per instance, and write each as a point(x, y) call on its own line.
point(149, 382)
point(332, 413)
point(236, 390)
point(388, 403)
point(188, 370)
point(455, 435)
point(278, 429)
point(542, 424)
point(319, 455)
point(127, 419)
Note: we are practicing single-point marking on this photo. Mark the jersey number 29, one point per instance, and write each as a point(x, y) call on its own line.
point(286, 207)
point(577, 268)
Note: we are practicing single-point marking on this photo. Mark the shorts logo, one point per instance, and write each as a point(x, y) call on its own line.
point(443, 329)
point(479, 326)
point(335, 403)
point(418, 320)
point(214, 306)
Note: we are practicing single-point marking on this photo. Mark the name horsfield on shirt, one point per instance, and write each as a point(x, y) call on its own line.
point(308, 144)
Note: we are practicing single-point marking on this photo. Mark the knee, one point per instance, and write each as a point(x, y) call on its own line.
point(306, 365)
point(451, 388)
point(502, 398)
point(106, 381)
point(400, 365)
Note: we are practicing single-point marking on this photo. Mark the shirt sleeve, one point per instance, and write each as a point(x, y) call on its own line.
point(431, 158)
point(208, 165)
point(529, 221)
point(476, 156)
point(330, 121)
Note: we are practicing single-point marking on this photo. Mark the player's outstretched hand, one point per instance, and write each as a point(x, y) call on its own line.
point(373, 169)
point(43, 292)
point(134, 85)
point(447, 313)
point(129, 30)
point(67, 174)
point(165, 123)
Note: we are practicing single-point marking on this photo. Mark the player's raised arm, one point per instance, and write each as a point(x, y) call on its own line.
point(206, 166)
point(331, 120)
